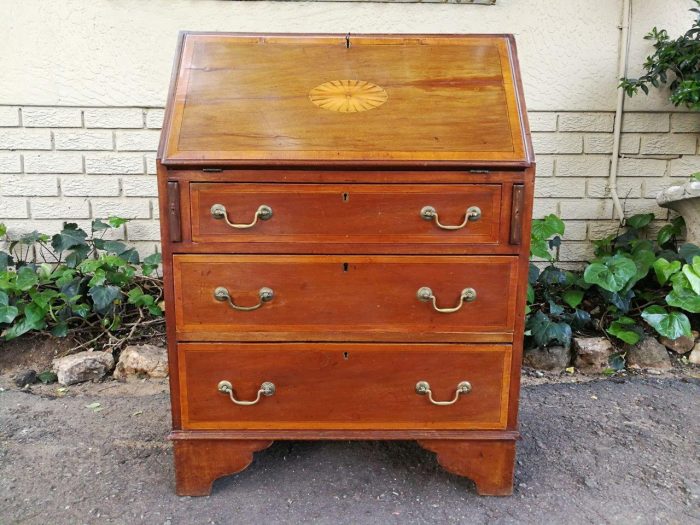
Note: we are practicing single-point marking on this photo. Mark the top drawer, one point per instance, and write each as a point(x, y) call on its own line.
point(377, 214)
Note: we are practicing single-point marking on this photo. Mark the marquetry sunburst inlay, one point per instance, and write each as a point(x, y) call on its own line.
point(348, 96)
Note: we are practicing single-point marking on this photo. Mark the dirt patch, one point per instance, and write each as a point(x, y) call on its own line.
point(31, 352)
point(607, 451)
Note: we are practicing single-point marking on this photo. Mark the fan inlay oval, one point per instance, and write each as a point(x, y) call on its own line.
point(348, 96)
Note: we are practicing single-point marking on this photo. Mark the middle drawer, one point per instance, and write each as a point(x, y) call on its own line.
point(344, 298)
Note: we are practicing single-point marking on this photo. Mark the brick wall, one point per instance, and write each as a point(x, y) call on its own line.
point(73, 164)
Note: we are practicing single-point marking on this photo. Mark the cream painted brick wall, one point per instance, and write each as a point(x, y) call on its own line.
point(9, 116)
point(113, 118)
point(52, 118)
point(75, 164)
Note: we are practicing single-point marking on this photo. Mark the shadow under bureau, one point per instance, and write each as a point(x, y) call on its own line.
point(345, 226)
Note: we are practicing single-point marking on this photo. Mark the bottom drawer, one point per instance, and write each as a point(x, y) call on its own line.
point(344, 386)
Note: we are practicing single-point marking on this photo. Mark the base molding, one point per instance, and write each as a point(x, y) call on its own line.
point(489, 464)
point(199, 462)
point(359, 435)
point(202, 456)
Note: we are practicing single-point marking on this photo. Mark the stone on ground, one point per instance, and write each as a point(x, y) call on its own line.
point(142, 360)
point(649, 353)
point(694, 356)
point(25, 377)
point(592, 354)
point(552, 358)
point(682, 345)
point(83, 366)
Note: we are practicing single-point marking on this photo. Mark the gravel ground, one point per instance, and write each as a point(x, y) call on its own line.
point(607, 451)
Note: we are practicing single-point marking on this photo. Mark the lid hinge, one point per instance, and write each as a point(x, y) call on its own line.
point(347, 41)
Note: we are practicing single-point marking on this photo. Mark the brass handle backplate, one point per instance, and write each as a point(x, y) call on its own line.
point(423, 389)
point(425, 294)
point(429, 213)
point(265, 294)
point(218, 211)
point(266, 389)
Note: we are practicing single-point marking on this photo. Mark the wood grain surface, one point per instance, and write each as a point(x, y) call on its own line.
point(346, 214)
point(246, 97)
point(344, 298)
point(343, 386)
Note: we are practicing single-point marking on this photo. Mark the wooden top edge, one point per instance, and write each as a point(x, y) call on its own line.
point(354, 37)
point(344, 164)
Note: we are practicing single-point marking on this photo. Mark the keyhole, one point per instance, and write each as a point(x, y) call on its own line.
point(346, 355)
point(346, 197)
point(345, 267)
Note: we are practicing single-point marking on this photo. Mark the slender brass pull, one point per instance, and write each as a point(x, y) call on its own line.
point(218, 211)
point(423, 389)
point(265, 294)
point(266, 389)
point(425, 294)
point(429, 213)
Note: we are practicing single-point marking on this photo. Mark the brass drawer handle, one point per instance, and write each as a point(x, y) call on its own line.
point(266, 389)
point(264, 212)
point(425, 294)
point(265, 294)
point(429, 213)
point(423, 389)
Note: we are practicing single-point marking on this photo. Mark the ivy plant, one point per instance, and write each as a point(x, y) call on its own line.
point(636, 283)
point(675, 62)
point(96, 289)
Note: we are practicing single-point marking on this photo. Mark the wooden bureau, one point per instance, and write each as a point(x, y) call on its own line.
point(345, 226)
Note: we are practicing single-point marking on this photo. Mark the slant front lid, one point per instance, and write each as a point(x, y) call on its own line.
point(296, 99)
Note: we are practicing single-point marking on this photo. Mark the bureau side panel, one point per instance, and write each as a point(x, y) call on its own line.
point(521, 296)
point(167, 198)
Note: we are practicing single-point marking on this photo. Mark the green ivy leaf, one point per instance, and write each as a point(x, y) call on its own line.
point(70, 237)
point(612, 273)
point(47, 377)
point(624, 329)
point(103, 297)
point(60, 330)
point(640, 221)
point(545, 331)
point(540, 249)
point(5, 261)
point(530, 294)
point(81, 310)
point(549, 226)
point(665, 269)
point(26, 278)
point(98, 225)
point(116, 222)
point(694, 176)
point(669, 324)
point(3, 229)
point(98, 278)
point(8, 314)
point(685, 299)
point(687, 251)
point(692, 273)
point(77, 255)
point(573, 297)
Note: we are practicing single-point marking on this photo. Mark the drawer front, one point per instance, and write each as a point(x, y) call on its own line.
point(346, 214)
point(344, 386)
point(338, 298)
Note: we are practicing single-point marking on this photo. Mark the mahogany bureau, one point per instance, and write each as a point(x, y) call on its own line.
point(345, 227)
